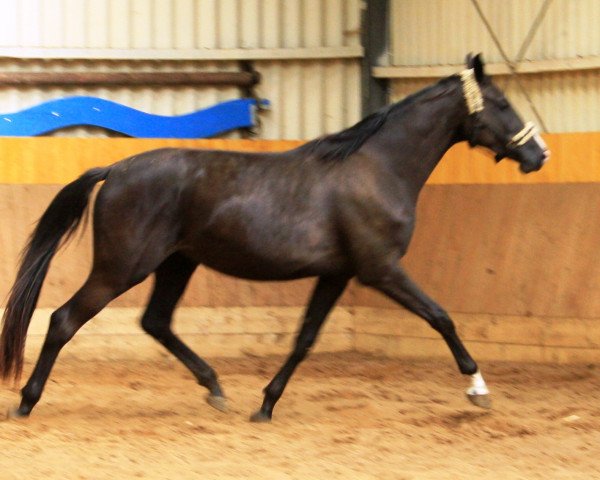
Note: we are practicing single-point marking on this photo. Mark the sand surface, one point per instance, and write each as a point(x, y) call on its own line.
point(343, 416)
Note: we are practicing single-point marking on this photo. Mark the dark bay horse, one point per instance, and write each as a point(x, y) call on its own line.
point(339, 207)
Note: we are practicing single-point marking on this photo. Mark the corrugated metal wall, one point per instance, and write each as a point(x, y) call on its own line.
point(441, 32)
point(307, 51)
point(104, 26)
point(438, 32)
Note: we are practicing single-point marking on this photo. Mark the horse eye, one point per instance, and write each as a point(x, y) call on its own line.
point(503, 105)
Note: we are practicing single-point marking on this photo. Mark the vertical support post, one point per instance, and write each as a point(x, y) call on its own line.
point(375, 39)
point(248, 91)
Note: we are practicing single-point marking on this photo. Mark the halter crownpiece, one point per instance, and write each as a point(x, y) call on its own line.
point(471, 91)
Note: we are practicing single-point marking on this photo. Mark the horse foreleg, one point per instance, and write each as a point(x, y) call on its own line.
point(172, 276)
point(396, 284)
point(326, 293)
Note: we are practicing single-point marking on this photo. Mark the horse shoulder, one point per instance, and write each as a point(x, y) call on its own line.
point(376, 217)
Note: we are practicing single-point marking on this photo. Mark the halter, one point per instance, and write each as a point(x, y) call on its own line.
point(471, 91)
point(474, 100)
point(521, 138)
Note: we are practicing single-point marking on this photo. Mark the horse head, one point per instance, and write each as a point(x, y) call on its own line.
point(493, 123)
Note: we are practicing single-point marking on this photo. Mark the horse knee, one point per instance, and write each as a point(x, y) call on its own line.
point(209, 379)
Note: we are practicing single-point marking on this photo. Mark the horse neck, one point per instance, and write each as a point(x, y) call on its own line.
point(414, 139)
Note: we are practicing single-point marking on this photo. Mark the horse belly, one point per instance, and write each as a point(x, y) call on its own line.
point(266, 228)
point(269, 258)
point(258, 269)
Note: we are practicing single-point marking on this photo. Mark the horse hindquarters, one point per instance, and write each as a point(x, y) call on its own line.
point(58, 223)
point(132, 237)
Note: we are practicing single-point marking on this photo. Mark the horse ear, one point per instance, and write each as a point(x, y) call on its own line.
point(469, 60)
point(477, 64)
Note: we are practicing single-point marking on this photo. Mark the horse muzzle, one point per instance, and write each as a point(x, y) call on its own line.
point(528, 137)
point(534, 166)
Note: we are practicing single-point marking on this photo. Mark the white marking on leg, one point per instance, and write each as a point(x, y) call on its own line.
point(478, 386)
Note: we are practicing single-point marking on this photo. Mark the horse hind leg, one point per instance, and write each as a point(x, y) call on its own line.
point(172, 277)
point(64, 323)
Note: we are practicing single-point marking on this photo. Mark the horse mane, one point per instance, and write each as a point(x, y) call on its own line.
point(340, 145)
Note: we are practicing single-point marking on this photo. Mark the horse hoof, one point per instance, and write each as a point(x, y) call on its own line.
point(260, 417)
point(481, 401)
point(15, 414)
point(220, 403)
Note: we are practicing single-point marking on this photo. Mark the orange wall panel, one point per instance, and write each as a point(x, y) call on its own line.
point(575, 158)
point(58, 160)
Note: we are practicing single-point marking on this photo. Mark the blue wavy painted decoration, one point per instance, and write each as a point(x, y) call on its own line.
point(91, 111)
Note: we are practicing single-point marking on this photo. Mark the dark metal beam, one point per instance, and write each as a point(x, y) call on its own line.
point(375, 39)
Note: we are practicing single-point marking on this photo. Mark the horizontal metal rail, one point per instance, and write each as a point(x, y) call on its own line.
point(107, 79)
point(523, 67)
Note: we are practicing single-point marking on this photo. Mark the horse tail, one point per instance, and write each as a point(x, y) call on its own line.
point(54, 228)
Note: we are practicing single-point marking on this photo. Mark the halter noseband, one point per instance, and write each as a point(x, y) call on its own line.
point(474, 100)
point(521, 138)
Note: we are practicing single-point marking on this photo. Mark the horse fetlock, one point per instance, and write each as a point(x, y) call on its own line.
point(274, 390)
point(31, 393)
point(209, 380)
point(468, 367)
point(478, 385)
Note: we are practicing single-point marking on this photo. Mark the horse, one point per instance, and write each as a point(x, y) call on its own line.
point(339, 207)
